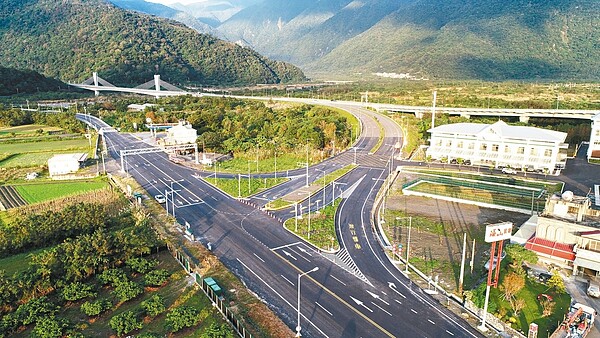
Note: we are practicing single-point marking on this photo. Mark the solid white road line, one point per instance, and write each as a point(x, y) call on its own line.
point(413, 310)
point(285, 246)
point(431, 321)
point(334, 277)
point(287, 280)
point(324, 309)
point(380, 308)
point(262, 260)
point(450, 333)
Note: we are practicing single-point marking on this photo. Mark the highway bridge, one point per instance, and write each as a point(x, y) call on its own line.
point(159, 88)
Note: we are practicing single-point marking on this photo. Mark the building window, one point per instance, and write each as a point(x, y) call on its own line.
point(438, 143)
point(548, 153)
point(448, 143)
point(471, 145)
point(459, 144)
point(521, 150)
point(533, 152)
point(506, 149)
point(483, 146)
point(495, 147)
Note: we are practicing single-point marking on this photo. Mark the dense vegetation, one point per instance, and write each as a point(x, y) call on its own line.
point(18, 117)
point(235, 126)
point(478, 39)
point(14, 81)
point(71, 39)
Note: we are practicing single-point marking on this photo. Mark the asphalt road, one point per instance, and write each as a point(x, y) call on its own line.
point(356, 293)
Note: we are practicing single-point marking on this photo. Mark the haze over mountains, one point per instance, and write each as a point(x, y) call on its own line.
point(465, 39)
point(70, 39)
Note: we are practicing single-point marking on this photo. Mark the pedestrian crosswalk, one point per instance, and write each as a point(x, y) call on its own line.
point(342, 259)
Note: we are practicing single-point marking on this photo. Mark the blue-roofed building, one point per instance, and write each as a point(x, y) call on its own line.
point(499, 145)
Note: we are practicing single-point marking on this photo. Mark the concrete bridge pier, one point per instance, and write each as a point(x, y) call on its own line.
point(95, 76)
point(524, 118)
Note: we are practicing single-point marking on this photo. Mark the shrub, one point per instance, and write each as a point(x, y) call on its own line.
point(154, 306)
point(141, 265)
point(127, 290)
point(50, 327)
point(76, 291)
point(156, 277)
point(112, 276)
point(217, 331)
point(92, 309)
point(125, 323)
point(35, 309)
point(182, 317)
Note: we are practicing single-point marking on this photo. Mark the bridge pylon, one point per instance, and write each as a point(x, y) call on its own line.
point(97, 81)
point(157, 83)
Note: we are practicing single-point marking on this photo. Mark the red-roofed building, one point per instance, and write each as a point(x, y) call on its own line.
point(550, 249)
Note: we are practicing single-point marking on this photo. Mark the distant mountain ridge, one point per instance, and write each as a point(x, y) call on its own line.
point(70, 39)
point(445, 39)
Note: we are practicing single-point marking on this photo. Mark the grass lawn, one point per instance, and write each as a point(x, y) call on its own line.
point(35, 193)
point(233, 186)
point(17, 263)
point(322, 227)
point(26, 129)
point(48, 146)
point(26, 160)
point(285, 161)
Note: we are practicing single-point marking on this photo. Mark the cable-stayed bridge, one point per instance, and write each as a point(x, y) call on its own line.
point(158, 88)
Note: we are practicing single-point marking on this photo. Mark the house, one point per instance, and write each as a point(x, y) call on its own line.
point(182, 133)
point(65, 163)
point(568, 234)
point(139, 107)
point(499, 144)
point(594, 147)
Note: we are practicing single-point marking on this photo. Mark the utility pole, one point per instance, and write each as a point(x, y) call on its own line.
point(462, 265)
point(433, 110)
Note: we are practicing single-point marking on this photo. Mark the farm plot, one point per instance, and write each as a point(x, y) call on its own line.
point(35, 193)
point(10, 198)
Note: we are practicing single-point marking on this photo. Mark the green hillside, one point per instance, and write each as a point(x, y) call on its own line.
point(477, 39)
point(14, 81)
point(70, 39)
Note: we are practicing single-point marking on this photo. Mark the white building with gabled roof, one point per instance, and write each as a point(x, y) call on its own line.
point(499, 144)
point(63, 164)
point(594, 147)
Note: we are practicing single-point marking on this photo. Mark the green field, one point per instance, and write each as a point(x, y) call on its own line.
point(26, 160)
point(235, 187)
point(35, 193)
point(34, 154)
point(26, 130)
point(322, 227)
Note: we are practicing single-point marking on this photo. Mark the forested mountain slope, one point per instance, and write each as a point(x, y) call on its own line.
point(70, 39)
point(14, 81)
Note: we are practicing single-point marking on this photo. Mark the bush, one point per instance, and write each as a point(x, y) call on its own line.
point(112, 276)
point(92, 309)
point(141, 265)
point(50, 327)
point(127, 290)
point(156, 277)
point(35, 309)
point(76, 291)
point(125, 323)
point(182, 317)
point(217, 331)
point(154, 306)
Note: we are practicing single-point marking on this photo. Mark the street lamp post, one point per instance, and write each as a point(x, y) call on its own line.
point(299, 328)
point(408, 239)
point(296, 218)
point(308, 215)
point(307, 163)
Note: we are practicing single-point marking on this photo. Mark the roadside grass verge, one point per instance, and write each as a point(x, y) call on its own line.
point(244, 187)
point(36, 193)
point(17, 263)
point(282, 203)
point(322, 227)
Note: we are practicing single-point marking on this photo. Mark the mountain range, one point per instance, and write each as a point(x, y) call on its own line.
point(70, 39)
point(449, 39)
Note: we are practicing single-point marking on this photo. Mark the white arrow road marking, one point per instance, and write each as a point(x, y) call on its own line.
point(391, 285)
point(289, 255)
point(360, 303)
point(324, 309)
point(380, 308)
point(304, 250)
point(377, 297)
point(287, 280)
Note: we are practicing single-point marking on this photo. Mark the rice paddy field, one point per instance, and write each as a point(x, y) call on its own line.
point(36, 193)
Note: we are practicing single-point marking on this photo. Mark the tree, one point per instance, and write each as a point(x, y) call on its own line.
point(76, 291)
point(556, 282)
point(156, 277)
point(547, 307)
point(217, 331)
point(511, 284)
point(112, 276)
point(35, 309)
point(127, 290)
point(518, 306)
point(518, 254)
point(154, 306)
point(50, 327)
point(95, 308)
point(182, 317)
point(125, 323)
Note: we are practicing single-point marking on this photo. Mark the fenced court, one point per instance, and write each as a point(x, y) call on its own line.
point(502, 192)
